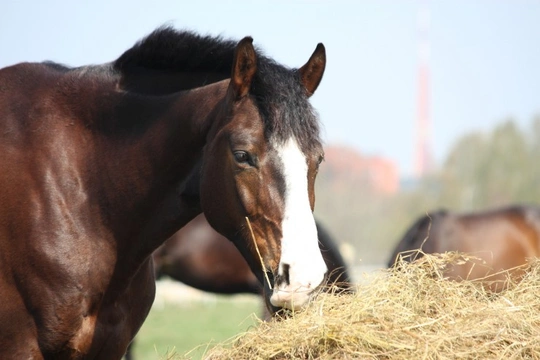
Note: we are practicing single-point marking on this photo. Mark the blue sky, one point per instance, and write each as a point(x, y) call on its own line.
point(485, 56)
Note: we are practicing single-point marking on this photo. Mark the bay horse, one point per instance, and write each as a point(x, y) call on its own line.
point(101, 164)
point(502, 239)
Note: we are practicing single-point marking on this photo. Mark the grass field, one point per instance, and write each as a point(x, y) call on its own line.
point(176, 328)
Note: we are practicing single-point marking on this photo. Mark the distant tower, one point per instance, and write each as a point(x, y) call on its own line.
point(423, 161)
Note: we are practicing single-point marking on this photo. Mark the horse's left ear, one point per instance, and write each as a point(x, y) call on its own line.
point(312, 72)
point(244, 67)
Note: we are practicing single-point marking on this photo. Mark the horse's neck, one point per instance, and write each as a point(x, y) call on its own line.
point(149, 167)
point(155, 82)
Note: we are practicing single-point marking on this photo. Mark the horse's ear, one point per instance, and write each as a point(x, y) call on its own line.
point(244, 67)
point(312, 72)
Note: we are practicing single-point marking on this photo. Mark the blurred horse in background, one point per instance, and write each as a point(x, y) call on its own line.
point(502, 239)
point(200, 257)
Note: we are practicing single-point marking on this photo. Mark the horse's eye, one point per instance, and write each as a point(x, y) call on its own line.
point(320, 160)
point(241, 157)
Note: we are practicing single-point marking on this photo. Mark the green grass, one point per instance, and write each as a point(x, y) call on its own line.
point(179, 328)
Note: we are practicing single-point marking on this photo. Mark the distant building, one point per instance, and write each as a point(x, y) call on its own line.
point(344, 165)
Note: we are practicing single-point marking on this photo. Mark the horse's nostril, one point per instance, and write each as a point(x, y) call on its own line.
point(285, 273)
point(271, 278)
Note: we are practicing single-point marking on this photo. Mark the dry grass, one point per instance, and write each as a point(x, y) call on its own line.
point(411, 312)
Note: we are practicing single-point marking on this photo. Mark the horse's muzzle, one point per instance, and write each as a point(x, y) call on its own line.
point(296, 283)
point(293, 295)
point(291, 298)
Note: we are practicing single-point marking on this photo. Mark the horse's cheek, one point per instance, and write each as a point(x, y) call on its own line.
point(247, 190)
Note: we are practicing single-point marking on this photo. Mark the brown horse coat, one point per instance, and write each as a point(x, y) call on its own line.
point(101, 164)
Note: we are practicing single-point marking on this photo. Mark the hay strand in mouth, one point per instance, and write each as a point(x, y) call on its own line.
point(258, 253)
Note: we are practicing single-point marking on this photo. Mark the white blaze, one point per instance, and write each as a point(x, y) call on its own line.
point(299, 245)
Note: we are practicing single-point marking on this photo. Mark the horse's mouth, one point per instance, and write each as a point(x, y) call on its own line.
point(294, 296)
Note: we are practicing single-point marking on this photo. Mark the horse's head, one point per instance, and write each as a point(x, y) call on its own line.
point(259, 169)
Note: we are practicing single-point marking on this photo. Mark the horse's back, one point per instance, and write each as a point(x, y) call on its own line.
point(499, 241)
point(509, 234)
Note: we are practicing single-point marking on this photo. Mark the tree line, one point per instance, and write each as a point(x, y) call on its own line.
point(483, 169)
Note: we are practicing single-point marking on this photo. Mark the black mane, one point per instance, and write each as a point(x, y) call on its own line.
point(281, 98)
point(420, 230)
point(172, 50)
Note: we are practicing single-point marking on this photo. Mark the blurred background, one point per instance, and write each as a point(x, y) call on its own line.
point(424, 104)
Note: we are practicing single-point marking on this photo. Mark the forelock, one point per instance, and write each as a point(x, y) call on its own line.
point(284, 106)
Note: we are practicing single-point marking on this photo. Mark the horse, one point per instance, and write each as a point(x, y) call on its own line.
point(499, 240)
point(102, 163)
point(200, 257)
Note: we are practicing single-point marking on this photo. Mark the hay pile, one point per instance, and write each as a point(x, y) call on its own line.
point(407, 313)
